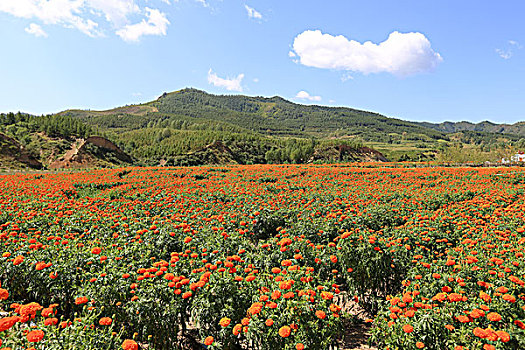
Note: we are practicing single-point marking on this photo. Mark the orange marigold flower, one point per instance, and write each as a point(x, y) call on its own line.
point(30, 309)
point(420, 345)
point(494, 316)
point(510, 298)
point(284, 331)
point(480, 333)
point(237, 329)
point(48, 311)
point(454, 297)
point(408, 328)
point(320, 314)
point(502, 290)
point(18, 260)
point(327, 295)
point(485, 297)
point(208, 341)
point(224, 322)
point(269, 322)
point(81, 300)
point(8, 322)
point(503, 336)
point(520, 324)
point(4, 294)
point(50, 321)
point(96, 250)
point(105, 321)
point(276, 294)
point(299, 346)
point(407, 298)
point(286, 263)
point(35, 336)
point(129, 344)
point(477, 313)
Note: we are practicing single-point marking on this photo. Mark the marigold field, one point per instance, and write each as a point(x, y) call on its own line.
point(262, 257)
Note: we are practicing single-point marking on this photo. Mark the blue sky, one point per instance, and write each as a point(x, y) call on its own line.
point(414, 60)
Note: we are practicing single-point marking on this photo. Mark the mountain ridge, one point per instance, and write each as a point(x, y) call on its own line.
point(181, 127)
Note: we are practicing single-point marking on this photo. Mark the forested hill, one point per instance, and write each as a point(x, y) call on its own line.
point(273, 116)
point(279, 117)
point(192, 127)
point(485, 126)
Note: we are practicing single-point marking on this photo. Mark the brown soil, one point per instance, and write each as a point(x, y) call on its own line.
point(356, 337)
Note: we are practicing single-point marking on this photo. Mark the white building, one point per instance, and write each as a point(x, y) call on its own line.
point(518, 157)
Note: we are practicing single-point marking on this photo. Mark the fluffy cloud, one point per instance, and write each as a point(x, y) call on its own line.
point(88, 16)
point(402, 54)
point(230, 84)
point(157, 24)
point(36, 30)
point(252, 13)
point(303, 95)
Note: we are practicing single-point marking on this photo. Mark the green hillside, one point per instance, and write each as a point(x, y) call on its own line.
point(192, 127)
point(485, 126)
point(188, 120)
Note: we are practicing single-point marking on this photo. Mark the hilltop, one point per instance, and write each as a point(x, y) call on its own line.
point(193, 127)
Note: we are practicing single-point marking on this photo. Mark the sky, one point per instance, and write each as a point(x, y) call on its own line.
point(410, 59)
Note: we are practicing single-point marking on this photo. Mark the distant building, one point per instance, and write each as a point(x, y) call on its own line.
point(518, 157)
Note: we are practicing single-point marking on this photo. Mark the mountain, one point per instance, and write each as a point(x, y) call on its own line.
point(485, 126)
point(258, 129)
point(192, 127)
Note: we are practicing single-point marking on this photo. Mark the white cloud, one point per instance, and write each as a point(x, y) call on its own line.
point(255, 80)
point(303, 95)
point(347, 76)
point(508, 52)
point(90, 16)
point(157, 24)
point(505, 54)
point(114, 11)
point(253, 13)
point(203, 3)
point(402, 54)
point(64, 12)
point(230, 84)
point(36, 30)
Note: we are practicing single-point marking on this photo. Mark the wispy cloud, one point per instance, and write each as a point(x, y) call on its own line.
point(156, 24)
point(253, 13)
point(509, 50)
point(36, 30)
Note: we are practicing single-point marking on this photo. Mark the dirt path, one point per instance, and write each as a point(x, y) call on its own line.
point(356, 337)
